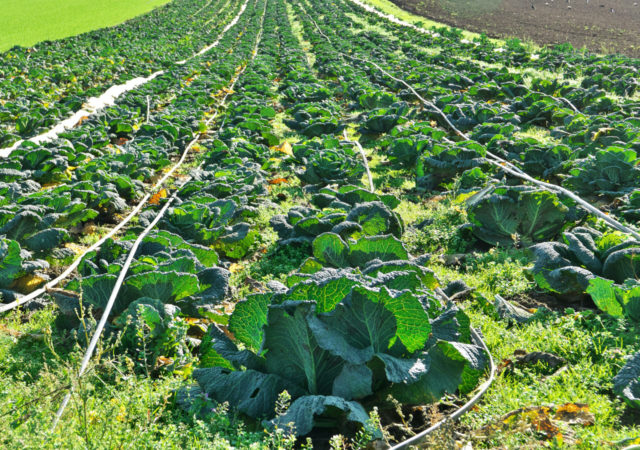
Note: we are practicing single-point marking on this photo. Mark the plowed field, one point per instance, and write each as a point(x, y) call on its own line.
point(600, 25)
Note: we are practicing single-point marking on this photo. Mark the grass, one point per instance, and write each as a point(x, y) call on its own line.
point(367, 27)
point(117, 404)
point(387, 7)
point(296, 29)
point(541, 134)
point(113, 407)
point(593, 347)
point(27, 22)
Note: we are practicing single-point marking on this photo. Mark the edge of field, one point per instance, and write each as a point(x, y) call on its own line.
point(28, 22)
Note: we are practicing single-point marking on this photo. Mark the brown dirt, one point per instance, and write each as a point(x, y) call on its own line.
point(606, 26)
point(535, 299)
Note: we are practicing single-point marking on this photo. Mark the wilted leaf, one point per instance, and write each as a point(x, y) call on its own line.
point(163, 361)
point(535, 417)
point(155, 198)
point(284, 148)
point(28, 283)
point(575, 413)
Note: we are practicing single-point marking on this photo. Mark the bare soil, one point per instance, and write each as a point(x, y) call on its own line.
point(604, 26)
point(535, 299)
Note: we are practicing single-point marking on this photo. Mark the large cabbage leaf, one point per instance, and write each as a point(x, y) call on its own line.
point(616, 300)
point(627, 382)
point(518, 215)
point(568, 267)
point(332, 410)
point(334, 338)
point(331, 249)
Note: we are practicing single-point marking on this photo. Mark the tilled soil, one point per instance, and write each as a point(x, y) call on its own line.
point(606, 26)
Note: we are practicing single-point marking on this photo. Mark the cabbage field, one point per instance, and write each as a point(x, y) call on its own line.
point(300, 223)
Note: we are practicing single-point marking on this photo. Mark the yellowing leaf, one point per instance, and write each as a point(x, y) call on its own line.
point(122, 414)
point(155, 198)
point(11, 332)
point(278, 181)
point(81, 120)
point(575, 413)
point(163, 361)
point(284, 148)
point(77, 249)
point(27, 283)
point(69, 171)
point(235, 267)
point(49, 186)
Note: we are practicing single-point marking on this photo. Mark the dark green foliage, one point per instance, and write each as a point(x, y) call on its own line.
point(333, 339)
point(508, 215)
point(570, 267)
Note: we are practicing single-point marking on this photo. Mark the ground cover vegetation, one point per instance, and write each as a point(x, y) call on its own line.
point(29, 23)
point(280, 299)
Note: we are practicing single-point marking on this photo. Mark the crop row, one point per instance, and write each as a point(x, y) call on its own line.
point(590, 149)
point(42, 85)
point(99, 169)
point(351, 235)
point(360, 319)
point(35, 99)
point(592, 152)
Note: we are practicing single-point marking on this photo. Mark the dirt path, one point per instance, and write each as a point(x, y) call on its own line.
point(609, 26)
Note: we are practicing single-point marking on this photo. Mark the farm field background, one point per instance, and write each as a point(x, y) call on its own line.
point(303, 224)
point(27, 22)
point(605, 26)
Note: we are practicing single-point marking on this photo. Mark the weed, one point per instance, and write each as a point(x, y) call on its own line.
point(279, 261)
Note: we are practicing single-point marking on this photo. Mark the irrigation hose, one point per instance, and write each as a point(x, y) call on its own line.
point(224, 31)
point(51, 284)
point(364, 159)
point(125, 268)
point(481, 390)
point(202, 9)
point(403, 23)
point(69, 270)
point(112, 298)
